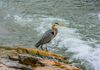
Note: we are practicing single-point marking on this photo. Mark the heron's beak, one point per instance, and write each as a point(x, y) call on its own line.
point(62, 25)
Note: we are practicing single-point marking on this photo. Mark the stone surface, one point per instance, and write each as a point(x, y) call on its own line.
point(32, 59)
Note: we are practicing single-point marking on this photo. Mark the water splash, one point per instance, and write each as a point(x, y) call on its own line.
point(69, 39)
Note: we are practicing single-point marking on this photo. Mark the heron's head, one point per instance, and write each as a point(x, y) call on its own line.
point(55, 25)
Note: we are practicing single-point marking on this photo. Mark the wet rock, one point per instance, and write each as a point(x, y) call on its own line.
point(4, 67)
point(29, 60)
point(33, 59)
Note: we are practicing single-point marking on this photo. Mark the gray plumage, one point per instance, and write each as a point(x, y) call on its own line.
point(46, 38)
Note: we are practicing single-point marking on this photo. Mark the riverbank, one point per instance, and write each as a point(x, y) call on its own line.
point(32, 59)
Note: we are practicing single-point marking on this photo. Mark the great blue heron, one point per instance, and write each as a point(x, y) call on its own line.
point(47, 36)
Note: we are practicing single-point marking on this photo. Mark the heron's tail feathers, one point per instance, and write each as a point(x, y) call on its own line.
point(37, 44)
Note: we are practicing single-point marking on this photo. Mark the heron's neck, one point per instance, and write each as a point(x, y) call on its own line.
point(53, 28)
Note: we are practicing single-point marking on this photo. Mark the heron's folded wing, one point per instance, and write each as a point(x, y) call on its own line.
point(48, 36)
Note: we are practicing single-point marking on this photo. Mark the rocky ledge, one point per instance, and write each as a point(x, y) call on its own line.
point(32, 59)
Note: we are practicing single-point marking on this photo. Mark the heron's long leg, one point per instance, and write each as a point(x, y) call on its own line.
point(41, 47)
point(46, 48)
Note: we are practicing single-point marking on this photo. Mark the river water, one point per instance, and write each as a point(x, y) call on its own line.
point(22, 22)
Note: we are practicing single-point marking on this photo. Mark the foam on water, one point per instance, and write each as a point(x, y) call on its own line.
point(69, 39)
point(21, 20)
point(99, 16)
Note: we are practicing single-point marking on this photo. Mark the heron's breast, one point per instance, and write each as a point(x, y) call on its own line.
point(55, 32)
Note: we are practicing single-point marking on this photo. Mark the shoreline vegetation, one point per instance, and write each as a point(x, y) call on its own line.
point(32, 59)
